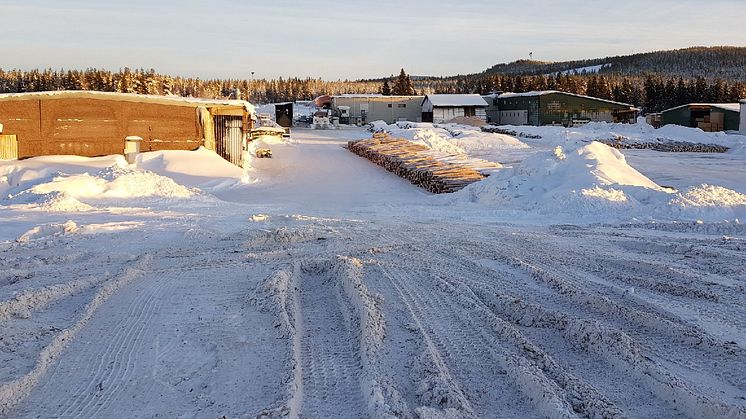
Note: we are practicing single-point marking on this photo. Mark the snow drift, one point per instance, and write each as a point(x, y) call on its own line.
point(595, 181)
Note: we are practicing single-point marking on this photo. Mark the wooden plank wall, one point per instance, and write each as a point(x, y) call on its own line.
point(95, 127)
point(8, 147)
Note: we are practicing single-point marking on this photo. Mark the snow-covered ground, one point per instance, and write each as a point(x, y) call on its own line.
point(577, 282)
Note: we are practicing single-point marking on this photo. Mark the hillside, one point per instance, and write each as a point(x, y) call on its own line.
point(728, 63)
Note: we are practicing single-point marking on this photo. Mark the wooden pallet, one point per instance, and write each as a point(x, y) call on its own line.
point(433, 171)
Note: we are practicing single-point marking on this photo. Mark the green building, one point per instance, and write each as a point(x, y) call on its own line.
point(552, 107)
point(710, 117)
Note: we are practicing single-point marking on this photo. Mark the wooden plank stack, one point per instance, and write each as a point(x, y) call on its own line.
point(420, 165)
point(8, 147)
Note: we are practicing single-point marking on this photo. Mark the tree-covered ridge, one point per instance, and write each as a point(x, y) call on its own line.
point(728, 63)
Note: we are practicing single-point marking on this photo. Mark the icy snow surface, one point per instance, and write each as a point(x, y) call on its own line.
point(316, 284)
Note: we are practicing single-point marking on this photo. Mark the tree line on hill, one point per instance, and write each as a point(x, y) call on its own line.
point(650, 92)
point(728, 63)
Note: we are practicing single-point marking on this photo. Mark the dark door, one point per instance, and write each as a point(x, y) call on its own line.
point(427, 117)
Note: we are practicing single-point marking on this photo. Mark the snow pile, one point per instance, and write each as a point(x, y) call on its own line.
point(48, 230)
point(201, 168)
point(81, 192)
point(453, 138)
point(595, 180)
point(640, 132)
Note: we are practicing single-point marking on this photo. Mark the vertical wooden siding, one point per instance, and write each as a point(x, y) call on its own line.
point(8, 147)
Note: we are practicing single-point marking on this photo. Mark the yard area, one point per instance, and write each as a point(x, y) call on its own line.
point(316, 284)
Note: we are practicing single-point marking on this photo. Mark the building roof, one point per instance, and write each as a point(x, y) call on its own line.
point(456, 100)
point(128, 97)
point(733, 107)
point(376, 96)
point(549, 92)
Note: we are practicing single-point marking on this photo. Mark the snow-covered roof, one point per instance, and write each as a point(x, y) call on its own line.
point(549, 92)
point(375, 95)
point(456, 100)
point(128, 97)
point(735, 107)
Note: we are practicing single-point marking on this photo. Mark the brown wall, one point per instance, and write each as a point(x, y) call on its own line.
point(95, 127)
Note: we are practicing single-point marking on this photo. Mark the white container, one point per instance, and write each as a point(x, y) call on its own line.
point(132, 148)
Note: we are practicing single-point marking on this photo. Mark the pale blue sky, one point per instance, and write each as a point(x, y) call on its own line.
point(348, 39)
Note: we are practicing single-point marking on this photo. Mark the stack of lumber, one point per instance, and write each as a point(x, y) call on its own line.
point(420, 165)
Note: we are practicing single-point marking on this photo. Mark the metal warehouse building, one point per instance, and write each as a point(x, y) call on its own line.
point(361, 109)
point(442, 108)
point(710, 117)
point(97, 123)
point(556, 108)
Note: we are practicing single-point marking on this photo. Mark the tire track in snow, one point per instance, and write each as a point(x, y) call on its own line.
point(15, 391)
point(465, 350)
point(330, 354)
point(669, 387)
point(115, 363)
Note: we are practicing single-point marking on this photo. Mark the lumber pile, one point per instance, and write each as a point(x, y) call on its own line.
point(418, 164)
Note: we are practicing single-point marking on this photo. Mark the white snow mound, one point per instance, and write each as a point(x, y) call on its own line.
point(595, 180)
point(78, 192)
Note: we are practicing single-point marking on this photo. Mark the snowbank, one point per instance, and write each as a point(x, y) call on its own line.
point(640, 132)
point(83, 192)
point(453, 138)
point(201, 168)
point(594, 182)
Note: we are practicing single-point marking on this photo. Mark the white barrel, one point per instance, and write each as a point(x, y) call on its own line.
point(132, 148)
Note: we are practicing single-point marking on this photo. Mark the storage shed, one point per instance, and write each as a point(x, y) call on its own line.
point(710, 117)
point(364, 108)
point(551, 107)
point(442, 108)
point(743, 118)
point(96, 123)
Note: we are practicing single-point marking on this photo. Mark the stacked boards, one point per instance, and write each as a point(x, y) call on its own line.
point(418, 164)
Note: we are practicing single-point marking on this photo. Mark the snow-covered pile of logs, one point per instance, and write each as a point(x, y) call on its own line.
point(435, 172)
point(498, 130)
point(663, 144)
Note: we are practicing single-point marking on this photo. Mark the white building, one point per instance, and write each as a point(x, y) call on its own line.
point(442, 108)
point(364, 108)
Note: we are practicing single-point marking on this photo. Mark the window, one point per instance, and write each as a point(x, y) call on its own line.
point(401, 105)
point(390, 105)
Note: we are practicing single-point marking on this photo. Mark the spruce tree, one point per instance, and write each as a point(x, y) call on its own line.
point(386, 89)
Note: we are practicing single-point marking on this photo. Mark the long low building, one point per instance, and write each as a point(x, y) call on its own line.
point(551, 107)
point(89, 123)
point(710, 117)
point(364, 108)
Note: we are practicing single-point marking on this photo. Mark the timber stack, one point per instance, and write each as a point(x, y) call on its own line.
point(412, 162)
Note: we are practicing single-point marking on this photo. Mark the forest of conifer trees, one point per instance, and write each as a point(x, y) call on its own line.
point(650, 92)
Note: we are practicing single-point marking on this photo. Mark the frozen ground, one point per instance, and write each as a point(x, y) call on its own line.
point(319, 285)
